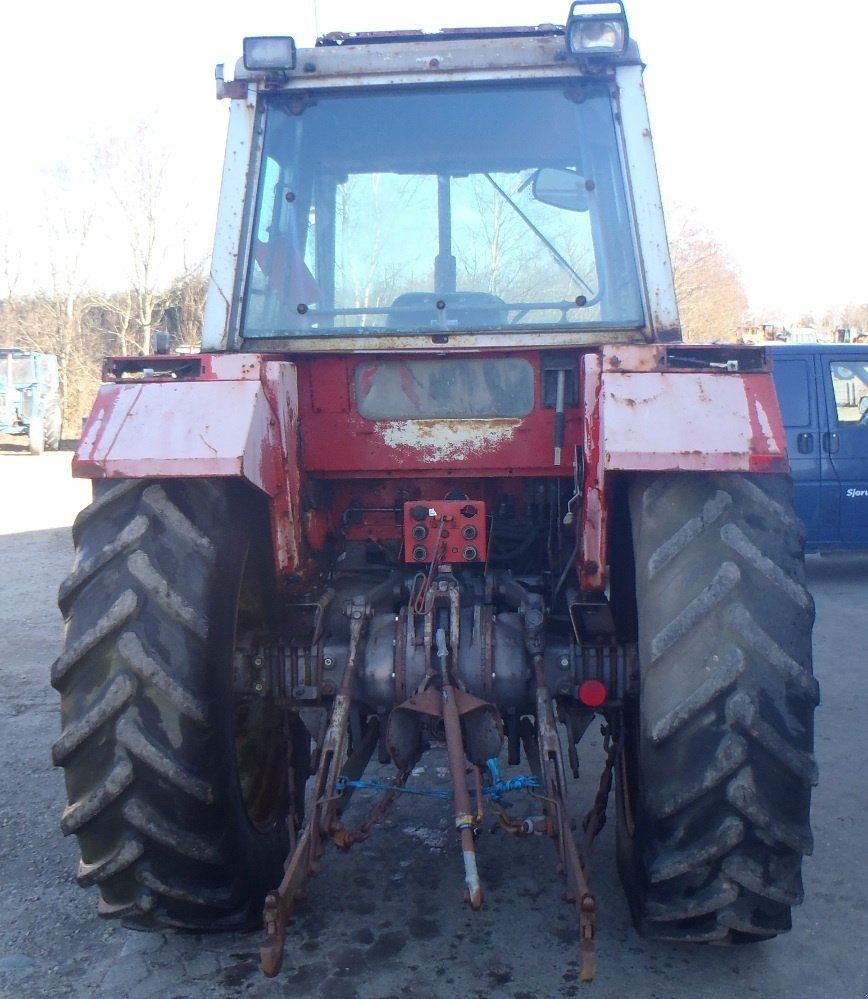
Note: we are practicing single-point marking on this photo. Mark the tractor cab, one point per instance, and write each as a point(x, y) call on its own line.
point(467, 184)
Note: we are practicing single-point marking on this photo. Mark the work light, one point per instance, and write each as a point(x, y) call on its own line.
point(597, 28)
point(271, 54)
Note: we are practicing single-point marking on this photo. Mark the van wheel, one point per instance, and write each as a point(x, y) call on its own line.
point(717, 766)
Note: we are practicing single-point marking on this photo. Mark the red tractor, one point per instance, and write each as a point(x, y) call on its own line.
point(443, 476)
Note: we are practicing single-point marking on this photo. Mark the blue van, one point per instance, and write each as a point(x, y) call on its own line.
point(823, 393)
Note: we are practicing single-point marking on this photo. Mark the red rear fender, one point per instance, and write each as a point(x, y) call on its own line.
point(234, 416)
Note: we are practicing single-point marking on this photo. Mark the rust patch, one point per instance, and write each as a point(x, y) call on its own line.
point(445, 440)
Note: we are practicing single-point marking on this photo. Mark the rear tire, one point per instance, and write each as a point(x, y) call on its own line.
point(36, 435)
point(176, 785)
point(53, 426)
point(717, 764)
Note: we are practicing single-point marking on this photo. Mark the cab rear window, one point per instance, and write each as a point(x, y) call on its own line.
point(453, 388)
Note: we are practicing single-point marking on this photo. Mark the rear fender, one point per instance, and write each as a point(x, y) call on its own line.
point(202, 416)
point(670, 409)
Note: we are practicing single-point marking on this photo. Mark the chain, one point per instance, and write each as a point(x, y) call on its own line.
point(596, 817)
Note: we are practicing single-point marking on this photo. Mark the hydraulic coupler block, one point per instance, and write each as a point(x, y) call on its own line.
point(445, 531)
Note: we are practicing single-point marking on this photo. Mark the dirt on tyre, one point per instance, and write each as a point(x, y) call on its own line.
point(717, 765)
point(174, 777)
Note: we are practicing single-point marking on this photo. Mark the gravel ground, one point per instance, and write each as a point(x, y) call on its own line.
point(387, 919)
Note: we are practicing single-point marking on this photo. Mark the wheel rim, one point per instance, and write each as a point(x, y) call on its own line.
point(260, 764)
point(258, 726)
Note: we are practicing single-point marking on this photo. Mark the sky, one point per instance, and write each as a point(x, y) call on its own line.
point(757, 114)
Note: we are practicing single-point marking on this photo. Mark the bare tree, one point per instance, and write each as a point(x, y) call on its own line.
point(855, 317)
point(10, 264)
point(711, 298)
point(184, 307)
point(114, 217)
point(54, 318)
point(146, 214)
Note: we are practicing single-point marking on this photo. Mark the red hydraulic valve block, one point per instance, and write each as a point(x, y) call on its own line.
point(445, 531)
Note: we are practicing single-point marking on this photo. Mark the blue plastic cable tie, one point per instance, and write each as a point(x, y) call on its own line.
point(496, 790)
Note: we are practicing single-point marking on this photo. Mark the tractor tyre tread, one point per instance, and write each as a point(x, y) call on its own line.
point(153, 798)
point(725, 732)
point(53, 425)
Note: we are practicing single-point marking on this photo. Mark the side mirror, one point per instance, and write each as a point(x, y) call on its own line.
point(161, 342)
point(561, 189)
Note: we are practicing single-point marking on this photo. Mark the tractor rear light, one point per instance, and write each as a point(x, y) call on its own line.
point(769, 463)
point(593, 693)
point(597, 28)
point(420, 553)
point(270, 54)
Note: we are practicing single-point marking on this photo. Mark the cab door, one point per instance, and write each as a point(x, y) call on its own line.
point(843, 378)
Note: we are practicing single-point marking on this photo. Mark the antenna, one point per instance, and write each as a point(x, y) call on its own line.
point(315, 20)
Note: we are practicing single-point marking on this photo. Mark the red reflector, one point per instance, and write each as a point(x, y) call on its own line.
point(769, 463)
point(593, 693)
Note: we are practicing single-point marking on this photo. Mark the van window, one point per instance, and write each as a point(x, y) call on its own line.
point(850, 388)
point(791, 378)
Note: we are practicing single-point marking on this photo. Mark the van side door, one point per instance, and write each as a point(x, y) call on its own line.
point(796, 386)
point(843, 375)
